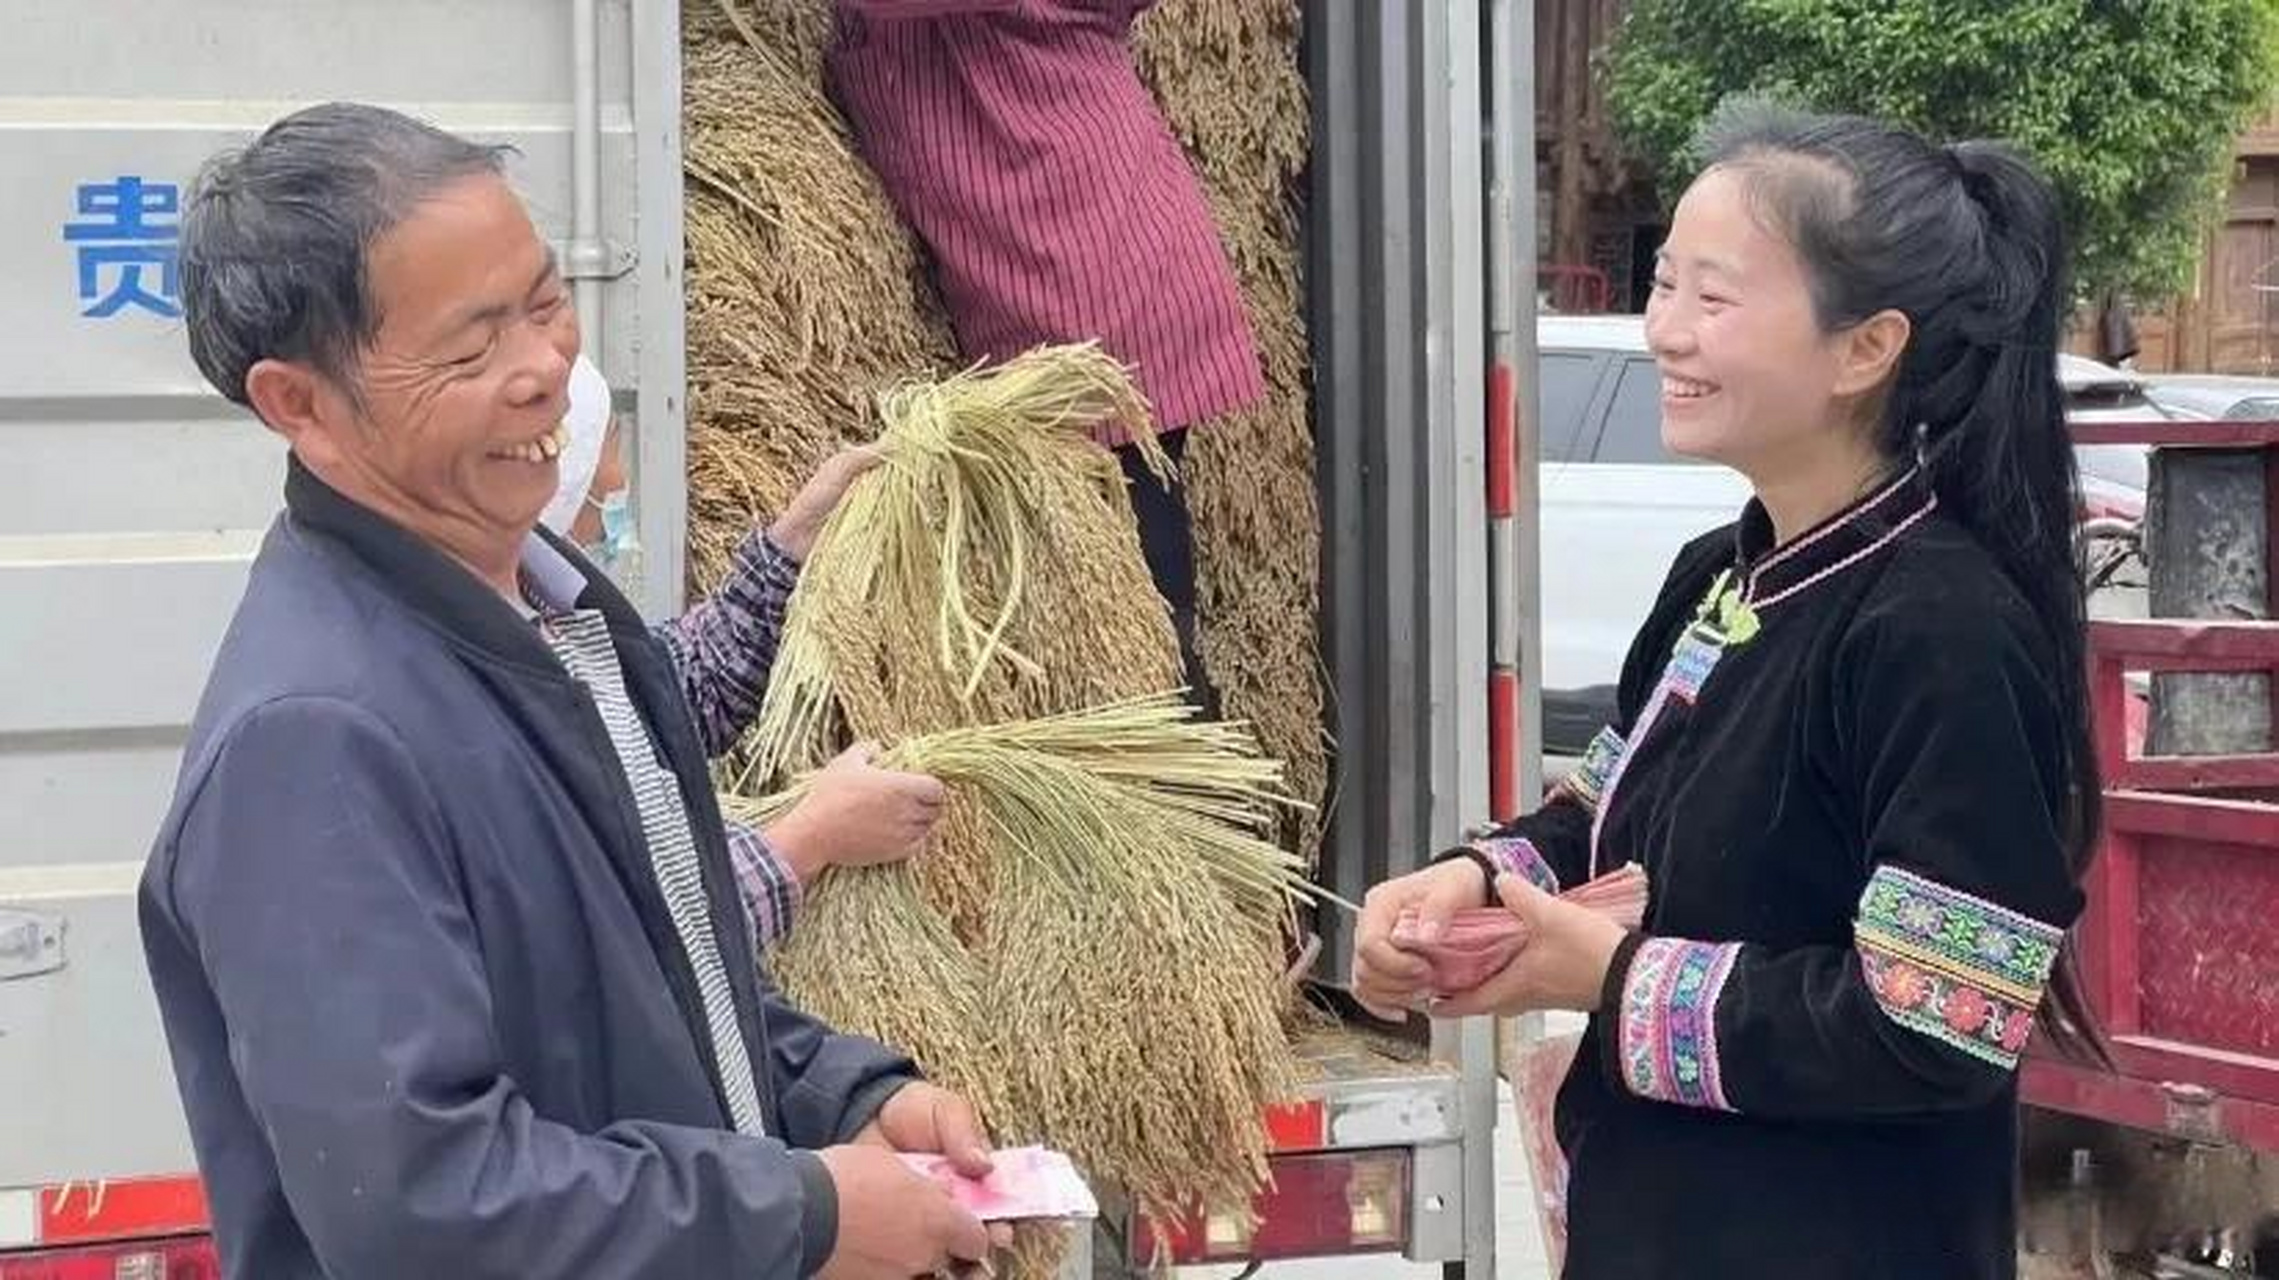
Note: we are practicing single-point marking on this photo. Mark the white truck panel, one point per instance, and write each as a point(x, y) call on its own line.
point(137, 497)
point(141, 496)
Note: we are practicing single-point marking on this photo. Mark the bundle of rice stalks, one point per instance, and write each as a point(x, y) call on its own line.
point(883, 961)
point(805, 295)
point(1025, 968)
point(1132, 878)
point(1229, 81)
point(988, 571)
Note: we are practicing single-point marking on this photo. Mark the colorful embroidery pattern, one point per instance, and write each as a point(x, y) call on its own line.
point(1517, 855)
point(1691, 662)
point(1952, 966)
point(1669, 1021)
point(1588, 782)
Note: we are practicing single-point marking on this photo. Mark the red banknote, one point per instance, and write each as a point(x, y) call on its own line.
point(1028, 1183)
point(1479, 941)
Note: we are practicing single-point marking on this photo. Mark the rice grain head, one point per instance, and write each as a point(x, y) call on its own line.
point(805, 295)
point(1130, 878)
point(989, 570)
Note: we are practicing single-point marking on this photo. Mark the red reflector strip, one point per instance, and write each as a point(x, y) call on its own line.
point(1503, 443)
point(123, 1209)
point(1503, 744)
point(1297, 1126)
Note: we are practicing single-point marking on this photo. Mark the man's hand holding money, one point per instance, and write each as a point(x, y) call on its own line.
point(894, 1222)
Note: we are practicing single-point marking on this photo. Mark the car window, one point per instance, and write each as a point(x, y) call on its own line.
point(1569, 378)
point(1633, 431)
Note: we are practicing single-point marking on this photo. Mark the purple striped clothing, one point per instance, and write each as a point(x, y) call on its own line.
point(771, 892)
point(723, 649)
point(725, 646)
point(1017, 140)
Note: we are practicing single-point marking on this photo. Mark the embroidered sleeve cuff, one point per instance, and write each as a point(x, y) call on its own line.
point(1518, 856)
point(1958, 968)
point(1587, 783)
point(1664, 1018)
point(771, 892)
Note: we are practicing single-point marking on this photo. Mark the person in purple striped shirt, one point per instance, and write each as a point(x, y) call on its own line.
point(1016, 139)
point(856, 813)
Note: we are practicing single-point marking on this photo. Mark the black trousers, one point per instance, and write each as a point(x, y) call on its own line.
point(1167, 540)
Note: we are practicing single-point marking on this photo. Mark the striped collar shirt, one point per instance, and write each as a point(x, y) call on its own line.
point(580, 640)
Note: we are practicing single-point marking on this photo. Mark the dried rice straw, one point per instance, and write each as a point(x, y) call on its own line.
point(1132, 879)
point(1230, 83)
point(988, 571)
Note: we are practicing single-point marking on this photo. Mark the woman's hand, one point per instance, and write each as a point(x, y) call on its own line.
point(1562, 965)
point(1387, 980)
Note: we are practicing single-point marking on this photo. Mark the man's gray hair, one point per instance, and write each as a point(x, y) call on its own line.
point(275, 236)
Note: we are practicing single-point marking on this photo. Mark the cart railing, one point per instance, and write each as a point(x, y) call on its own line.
point(2180, 937)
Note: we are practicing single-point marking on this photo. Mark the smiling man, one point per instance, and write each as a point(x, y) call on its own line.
point(442, 922)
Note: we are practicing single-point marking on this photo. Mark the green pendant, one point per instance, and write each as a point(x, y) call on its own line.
point(1729, 618)
point(1736, 618)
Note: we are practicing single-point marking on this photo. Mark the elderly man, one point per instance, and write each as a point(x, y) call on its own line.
point(441, 922)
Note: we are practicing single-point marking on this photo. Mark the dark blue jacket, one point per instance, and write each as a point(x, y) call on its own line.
point(428, 1013)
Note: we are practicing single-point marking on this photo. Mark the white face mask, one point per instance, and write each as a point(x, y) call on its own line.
point(587, 423)
point(619, 541)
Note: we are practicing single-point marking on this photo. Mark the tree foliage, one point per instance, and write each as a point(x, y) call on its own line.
point(2130, 106)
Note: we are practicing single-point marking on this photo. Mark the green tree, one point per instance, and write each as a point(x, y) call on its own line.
point(2130, 106)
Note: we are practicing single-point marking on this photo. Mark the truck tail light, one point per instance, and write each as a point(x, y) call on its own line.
point(186, 1258)
point(1323, 1204)
point(154, 1228)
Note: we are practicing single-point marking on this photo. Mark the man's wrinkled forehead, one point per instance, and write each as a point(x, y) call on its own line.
point(462, 260)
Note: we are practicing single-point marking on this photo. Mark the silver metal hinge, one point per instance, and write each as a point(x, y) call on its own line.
point(594, 259)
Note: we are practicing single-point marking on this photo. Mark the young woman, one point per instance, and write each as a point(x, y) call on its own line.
point(1853, 749)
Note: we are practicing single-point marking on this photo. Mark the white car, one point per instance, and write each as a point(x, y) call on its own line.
point(1617, 506)
point(2213, 396)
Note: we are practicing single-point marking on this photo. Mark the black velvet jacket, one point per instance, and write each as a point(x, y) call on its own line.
point(1841, 763)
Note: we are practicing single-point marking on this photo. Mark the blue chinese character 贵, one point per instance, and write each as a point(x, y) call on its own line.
point(126, 229)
